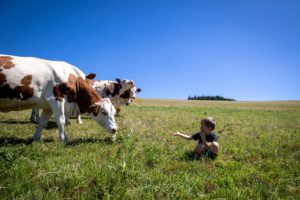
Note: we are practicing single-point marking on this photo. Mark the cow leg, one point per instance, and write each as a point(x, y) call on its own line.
point(59, 115)
point(34, 118)
point(67, 120)
point(79, 119)
point(46, 114)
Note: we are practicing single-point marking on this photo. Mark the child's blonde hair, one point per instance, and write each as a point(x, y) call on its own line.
point(209, 122)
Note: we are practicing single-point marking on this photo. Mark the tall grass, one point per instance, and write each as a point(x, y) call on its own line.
point(259, 154)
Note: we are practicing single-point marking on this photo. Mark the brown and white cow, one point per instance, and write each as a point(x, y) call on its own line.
point(53, 86)
point(120, 92)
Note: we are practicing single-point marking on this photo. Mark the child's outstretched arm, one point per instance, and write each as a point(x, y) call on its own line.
point(187, 137)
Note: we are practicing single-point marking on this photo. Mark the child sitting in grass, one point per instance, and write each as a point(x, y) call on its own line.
point(208, 145)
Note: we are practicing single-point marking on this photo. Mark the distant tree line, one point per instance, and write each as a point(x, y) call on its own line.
point(213, 98)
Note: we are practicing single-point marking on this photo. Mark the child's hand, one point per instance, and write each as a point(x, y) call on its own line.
point(187, 137)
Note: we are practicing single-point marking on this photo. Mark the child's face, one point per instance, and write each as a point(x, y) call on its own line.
point(205, 129)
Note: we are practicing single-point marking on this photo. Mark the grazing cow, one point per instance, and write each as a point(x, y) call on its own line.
point(56, 87)
point(120, 92)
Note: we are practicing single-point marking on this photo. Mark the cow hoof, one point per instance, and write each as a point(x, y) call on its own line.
point(66, 141)
point(80, 122)
point(33, 121)
point(68, 123)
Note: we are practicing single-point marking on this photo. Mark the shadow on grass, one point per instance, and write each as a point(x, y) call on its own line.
point(12, 121)
point(6, 141)
point(50, 124)
point(191, 156)
point(79, 141)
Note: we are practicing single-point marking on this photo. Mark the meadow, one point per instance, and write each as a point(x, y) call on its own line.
point(258, 159)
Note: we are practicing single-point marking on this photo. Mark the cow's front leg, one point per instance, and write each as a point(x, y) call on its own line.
point(46, 114)
point(59, 115)
point(35, 117)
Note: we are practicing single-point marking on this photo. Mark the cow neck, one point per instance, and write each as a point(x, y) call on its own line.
point(85, 96)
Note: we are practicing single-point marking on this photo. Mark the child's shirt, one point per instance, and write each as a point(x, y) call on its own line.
point(211, 137)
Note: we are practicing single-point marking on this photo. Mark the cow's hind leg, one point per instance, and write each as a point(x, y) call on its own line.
point(59, 115)
point(79, 119)
point(46, 114)
point(67, 120)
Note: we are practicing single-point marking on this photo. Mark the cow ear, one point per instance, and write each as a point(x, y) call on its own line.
point(91, 76)
point(138, 90)
point(94, 109)
point(118, 80)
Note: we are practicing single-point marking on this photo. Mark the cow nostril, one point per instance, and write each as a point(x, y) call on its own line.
point(114, 130)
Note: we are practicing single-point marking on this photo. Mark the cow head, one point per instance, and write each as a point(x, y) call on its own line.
point(124, 85)
point(129, 95)
point(120, 92)
point(104, 113)
point(80, 91)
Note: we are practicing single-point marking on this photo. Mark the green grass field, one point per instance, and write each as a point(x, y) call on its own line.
point(258, 159)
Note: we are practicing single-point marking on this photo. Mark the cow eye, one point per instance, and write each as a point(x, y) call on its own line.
point(104, 113)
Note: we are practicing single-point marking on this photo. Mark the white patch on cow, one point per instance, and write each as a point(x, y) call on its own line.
point(105, 116)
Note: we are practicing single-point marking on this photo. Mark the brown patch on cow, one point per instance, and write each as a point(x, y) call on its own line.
point(57, 91)
point(126, 94)
point(109, 89)
point(113, 89)
point(2, 79)
point(68, 88)
point(90, 82)
point(26, 80)
point(94, 109)
point(5, 62)
point(78, 91)
point(22, 92)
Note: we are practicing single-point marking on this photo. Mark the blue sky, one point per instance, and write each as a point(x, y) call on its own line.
point(241, 49)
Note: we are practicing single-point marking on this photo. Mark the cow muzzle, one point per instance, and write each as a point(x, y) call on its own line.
point(114, 130)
